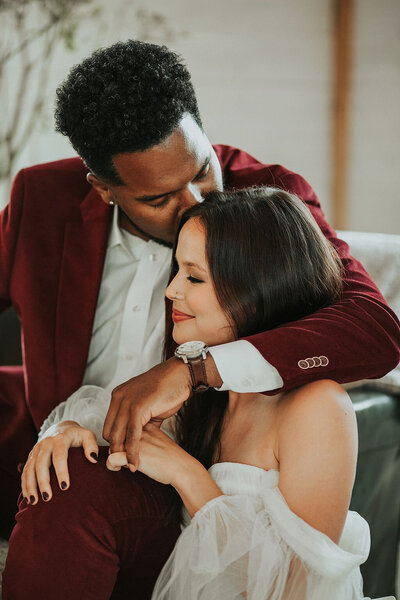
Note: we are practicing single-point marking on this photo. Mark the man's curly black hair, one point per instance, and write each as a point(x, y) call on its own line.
point(124, 98)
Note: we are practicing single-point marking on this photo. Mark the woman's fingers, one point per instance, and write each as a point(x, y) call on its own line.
point(116, 460)
point(90, 446)
point(60, 463)
point(54, 449)
point(42, 468)
point(28, 481)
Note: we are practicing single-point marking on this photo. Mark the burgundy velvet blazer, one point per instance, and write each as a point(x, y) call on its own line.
point(54, 235)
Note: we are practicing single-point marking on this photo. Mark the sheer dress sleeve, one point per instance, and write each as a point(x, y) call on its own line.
point(255, 547)
point(87, 406)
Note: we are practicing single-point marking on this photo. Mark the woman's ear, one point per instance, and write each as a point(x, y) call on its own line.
point(101, 188)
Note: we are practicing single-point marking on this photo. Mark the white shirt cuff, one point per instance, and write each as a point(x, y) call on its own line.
point(243, 368)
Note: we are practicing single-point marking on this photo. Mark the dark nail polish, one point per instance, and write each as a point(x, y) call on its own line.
point(32, 499)
point(45, 496)
point(63, 485)
point(26, 499)
point(93, 455)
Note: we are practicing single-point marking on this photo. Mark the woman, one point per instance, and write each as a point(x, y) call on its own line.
point(265, 480)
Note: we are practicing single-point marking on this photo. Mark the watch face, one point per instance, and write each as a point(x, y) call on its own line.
point(191, 349)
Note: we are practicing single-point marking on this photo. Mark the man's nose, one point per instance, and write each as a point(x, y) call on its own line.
point(191, 195)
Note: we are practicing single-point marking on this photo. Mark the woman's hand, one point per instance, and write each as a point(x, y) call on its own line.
point(159, 457)
point(54, 449)
point(163, 460)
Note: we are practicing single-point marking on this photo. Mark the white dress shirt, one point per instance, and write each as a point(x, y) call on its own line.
point(129, 324)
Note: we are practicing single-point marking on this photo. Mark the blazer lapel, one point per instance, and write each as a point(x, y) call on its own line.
point(85, 245)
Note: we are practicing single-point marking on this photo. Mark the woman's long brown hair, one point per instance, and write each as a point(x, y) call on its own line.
point(270, 264)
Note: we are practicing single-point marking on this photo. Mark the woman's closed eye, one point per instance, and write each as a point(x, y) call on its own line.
point(194, 279)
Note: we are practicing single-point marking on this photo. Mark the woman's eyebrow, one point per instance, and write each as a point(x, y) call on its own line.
point(158, 196)
point(193, 264)
point(189, 263)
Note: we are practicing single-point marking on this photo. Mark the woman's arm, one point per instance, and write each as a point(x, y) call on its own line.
point(163, 460)
point(317, 451)
point(196, 487)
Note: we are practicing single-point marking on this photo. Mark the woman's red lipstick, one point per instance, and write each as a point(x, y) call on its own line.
point(178, 316)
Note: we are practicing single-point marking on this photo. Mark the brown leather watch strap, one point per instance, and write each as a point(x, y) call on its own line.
point(198, 374)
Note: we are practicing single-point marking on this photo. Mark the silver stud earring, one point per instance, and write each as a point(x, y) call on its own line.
point(111, 203)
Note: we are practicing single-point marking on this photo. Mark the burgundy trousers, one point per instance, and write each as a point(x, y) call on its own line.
point(106, 537)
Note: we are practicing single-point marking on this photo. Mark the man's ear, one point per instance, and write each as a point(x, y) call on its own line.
point(101, 188)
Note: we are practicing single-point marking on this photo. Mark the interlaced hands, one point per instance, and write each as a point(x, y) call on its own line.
point(152, 396)
point(159, 457)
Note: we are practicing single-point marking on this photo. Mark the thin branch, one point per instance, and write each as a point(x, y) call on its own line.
point(25, 43)
point(23, 83)
point(40, 94)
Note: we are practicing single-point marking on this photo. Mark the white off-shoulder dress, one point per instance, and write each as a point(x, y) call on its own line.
point(246, 543)
point(249, 544)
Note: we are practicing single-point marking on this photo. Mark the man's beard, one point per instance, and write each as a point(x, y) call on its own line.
point(145, 233)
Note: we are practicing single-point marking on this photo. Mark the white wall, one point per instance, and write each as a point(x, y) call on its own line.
point(375, 134)
point(263, 73)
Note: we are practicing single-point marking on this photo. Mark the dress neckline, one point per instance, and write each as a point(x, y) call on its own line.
point(241, 466)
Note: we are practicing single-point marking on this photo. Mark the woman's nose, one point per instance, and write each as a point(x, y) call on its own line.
point(173, 292)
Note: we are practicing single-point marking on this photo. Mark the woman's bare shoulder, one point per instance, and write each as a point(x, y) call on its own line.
point(317, 449)
point(321, 400)
point(317, 418)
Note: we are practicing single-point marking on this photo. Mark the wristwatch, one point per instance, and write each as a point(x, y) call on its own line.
point(194, 354)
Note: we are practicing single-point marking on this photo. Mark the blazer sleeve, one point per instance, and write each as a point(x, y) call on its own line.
point(10, 218)
point(356, 338)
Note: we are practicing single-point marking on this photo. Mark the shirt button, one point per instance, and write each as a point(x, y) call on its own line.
point(136, 308)
point(153, 257)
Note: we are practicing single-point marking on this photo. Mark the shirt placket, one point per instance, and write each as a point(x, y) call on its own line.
point(136, 312)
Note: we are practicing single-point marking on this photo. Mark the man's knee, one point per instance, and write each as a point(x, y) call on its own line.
point(97, 494)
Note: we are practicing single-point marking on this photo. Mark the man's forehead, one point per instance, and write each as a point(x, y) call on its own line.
point(172, 163)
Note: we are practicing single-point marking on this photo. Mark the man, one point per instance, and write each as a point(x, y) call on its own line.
point(85, 262)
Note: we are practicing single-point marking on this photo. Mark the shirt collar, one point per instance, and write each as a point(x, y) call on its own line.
point(131, 244)
point(115, 238)
point(136, 245)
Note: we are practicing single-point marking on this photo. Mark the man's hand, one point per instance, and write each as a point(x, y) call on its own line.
point(156, 394)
